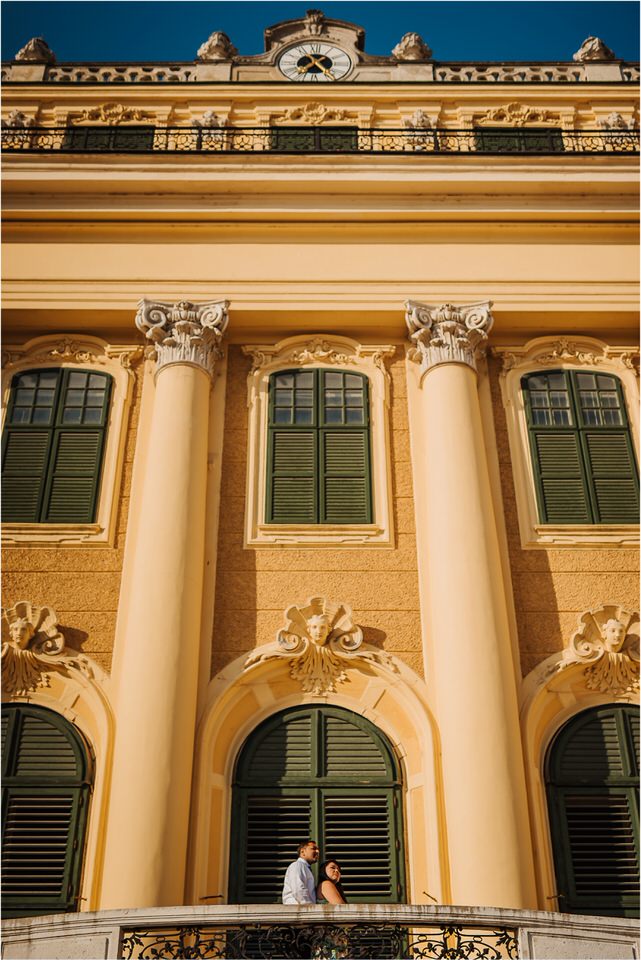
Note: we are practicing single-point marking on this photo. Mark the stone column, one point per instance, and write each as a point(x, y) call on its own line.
point(156, 664)
point(467, 650)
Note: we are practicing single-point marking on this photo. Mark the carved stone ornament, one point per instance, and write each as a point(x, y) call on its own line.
point(411, 47)
point(312, 113)
point(184, 332)
point(78, 351)
point(33, 647)
point(614, 121)
point(518, 115)
point(419, 121)
point(315, 22)
point(321, 640)
point(218, 46)
point(208, 121)
point(447, 334)
point(113, 114)
point(319, 350)
point(18, 120)
point(607, 643)
point(589, 353)
point(36, 50)
point(593, 49)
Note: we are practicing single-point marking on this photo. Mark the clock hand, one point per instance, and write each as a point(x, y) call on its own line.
point(317, 63)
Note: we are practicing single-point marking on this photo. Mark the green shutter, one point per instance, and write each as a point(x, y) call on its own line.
point(25, 461)
point(53, 446)
point(45, 799)
point(610, 460)
point(317, 772)
point(592, 783)
point(582, 455)
point(318, 451)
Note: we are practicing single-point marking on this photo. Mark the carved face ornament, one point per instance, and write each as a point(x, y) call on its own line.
point(21, 631)
point(318, 628)
point(613, 633)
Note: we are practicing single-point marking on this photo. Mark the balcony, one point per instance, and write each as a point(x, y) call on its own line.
point(287, 140)
point(326, 933)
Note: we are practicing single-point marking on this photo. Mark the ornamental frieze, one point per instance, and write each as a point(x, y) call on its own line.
point(320, 640)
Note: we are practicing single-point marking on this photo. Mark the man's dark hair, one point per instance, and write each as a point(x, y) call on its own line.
point(301, 846)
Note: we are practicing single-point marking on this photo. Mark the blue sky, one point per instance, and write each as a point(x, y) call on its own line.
point(456, 30)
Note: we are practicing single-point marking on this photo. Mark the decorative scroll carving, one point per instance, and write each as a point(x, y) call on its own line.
point(319, 350)
point(411, 47)
point(112, 114)
point(33, 647)
point(593, 49)
point(218, 46)
point(589, 351)
point(184, 332)
point(518, 115)
point(447, 334)
point(37, 50)
point(315, 22)
point(607, 643)
point(18, 120)
point(321, 640)
point(313, 113)
point(614, 121)
point(91, 351)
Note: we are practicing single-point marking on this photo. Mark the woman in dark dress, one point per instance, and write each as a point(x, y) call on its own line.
point(329, 889)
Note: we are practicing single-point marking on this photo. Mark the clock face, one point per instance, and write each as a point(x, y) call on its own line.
point(314, 62)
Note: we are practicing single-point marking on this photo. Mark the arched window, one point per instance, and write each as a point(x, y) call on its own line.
point(582, 455)
point(46, 782)
point(318, 455)
point(320, 772)
point(53, 445)
point(592, 778)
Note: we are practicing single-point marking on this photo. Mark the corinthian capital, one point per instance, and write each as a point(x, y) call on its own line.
point(447, 334)
point(184, 332)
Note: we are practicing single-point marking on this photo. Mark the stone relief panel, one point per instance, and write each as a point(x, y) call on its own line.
point(518, 115)
point(33, 647)
point(321, 640)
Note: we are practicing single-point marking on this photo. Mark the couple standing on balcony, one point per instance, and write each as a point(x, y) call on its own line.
point(300, 887)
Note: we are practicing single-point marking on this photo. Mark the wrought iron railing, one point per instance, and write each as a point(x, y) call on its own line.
point(320, 940)
point(316, 139)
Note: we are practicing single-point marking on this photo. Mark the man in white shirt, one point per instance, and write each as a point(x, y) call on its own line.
point(300, 886)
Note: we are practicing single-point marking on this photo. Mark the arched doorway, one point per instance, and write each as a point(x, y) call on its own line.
point(592, 779)
point(321, 772)
point(46, 783)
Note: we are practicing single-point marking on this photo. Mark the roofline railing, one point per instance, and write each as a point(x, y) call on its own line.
point(343, 139)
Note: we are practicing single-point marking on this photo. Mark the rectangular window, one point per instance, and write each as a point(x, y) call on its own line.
point(584, 464)
point(519, 140)
point(53, 445)
point(106, 139)
point(318, 460)
point(315, 139)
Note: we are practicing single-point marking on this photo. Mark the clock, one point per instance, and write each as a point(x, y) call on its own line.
point(314, 62)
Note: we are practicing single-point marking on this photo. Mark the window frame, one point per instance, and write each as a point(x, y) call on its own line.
point(342, 355)
point(83, 354)
point(556, 353)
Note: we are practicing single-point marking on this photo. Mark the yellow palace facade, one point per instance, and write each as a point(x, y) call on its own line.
point(320, 499)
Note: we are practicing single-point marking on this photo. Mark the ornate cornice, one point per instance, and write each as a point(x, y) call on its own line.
point(33, 647)
point(184, 332)
point(449, 333)
point(320, 640)
point(607, 645)
point(580, 351)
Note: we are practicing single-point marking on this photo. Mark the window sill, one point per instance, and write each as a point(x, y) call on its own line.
point(582, 535)
point(318, 535)
point(67, 534)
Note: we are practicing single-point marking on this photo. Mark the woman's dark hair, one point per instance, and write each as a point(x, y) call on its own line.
point(322, 875)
